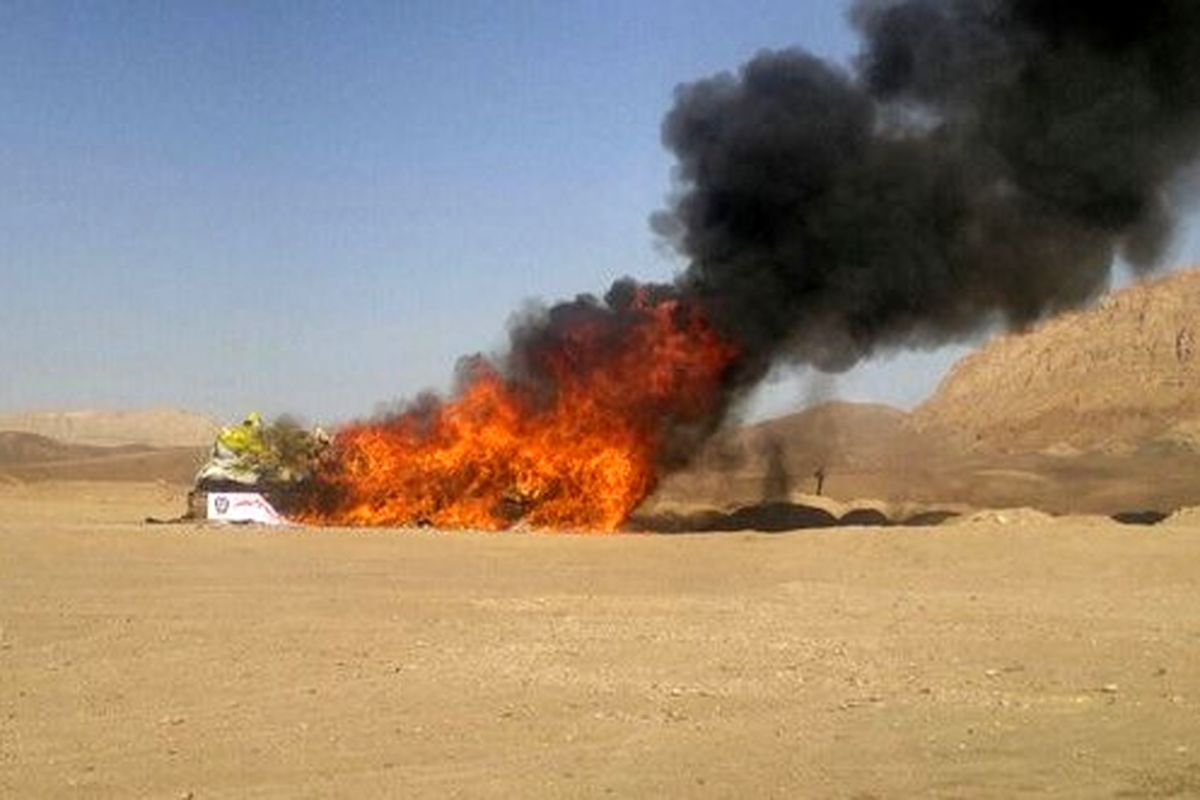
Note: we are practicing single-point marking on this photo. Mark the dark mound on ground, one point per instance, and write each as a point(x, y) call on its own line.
point(776, 517)
point(1147, 517)
point(779, 517)
point(767, 517)
point(864, 517)
point(929, 518)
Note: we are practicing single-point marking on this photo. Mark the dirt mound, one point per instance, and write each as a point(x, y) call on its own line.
point(768, 517)
point(864, 517)
point(163, 427)
point(1147, 516)
point(1009, 516)
point(1189, 515)
point(1121, 376)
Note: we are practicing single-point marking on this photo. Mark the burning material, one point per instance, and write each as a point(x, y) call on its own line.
point(252, 468)
point(258, 456)
point(984, 164)
point(574, 437)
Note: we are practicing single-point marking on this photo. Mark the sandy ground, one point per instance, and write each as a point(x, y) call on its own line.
point(975, 660)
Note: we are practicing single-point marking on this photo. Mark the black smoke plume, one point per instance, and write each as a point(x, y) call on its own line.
point(983, 162)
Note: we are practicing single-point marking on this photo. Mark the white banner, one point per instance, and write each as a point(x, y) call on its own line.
point(242, 507)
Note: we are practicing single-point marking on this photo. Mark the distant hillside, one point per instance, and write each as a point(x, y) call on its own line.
point(153, 428)
point(1123, 375)
point(18, 448)
point(31, 457)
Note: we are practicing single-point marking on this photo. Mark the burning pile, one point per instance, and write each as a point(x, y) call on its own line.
point(984, 163)
point(576, 441)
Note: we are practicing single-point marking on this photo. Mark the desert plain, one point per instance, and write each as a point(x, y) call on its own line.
point(999, 657)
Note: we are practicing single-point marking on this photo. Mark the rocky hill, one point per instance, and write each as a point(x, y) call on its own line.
point(153, 428)
point(1120, 377)
point(1096, 411)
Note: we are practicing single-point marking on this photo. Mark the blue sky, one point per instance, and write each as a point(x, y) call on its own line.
point(318, 207)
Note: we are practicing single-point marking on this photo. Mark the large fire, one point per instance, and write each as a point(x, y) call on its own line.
point(573, 440)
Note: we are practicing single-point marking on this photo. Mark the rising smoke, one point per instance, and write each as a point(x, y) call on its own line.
point(983, 163)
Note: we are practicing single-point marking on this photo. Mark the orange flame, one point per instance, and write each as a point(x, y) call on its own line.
point(579, 452)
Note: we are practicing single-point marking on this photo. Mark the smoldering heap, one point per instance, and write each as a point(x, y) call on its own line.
point(982, 162)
